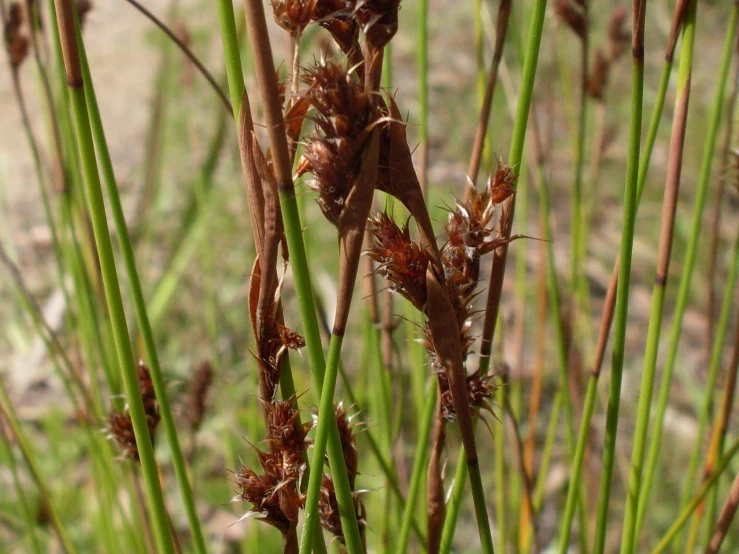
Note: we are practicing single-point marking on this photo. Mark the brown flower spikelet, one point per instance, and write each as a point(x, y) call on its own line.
point(401, 260)
point(469, 235)
point(293, 15)
point(328, 506)
point(197, 397)
point(333, 153)
point(573, 15)
point(16, 43)
point(274, 493)
point(120, 425)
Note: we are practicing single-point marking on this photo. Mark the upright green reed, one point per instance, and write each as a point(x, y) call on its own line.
point(624, 277)
point(515, 157)
point(66, 24)
point(688, 264)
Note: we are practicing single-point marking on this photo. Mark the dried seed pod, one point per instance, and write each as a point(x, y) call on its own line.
point(197, 396)
point(574, 15)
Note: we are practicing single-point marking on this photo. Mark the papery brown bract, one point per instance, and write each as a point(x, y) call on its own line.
point(379, 20)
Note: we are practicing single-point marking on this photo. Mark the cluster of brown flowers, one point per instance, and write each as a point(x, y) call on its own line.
point(333, 153)
point(469, 235)
point(342, 18)
point(617, 43)
point(574, 14)
point(16, 42)
point(120, 426)
point(197, 394)
point(328, 506)
point(275, 492)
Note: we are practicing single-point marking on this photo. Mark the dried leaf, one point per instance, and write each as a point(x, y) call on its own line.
point(351, 225)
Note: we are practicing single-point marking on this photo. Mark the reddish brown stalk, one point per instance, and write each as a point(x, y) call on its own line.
point(504, 12)
point(436, 507)
point(497, 274)
point(723, 525)
point(716, 222)
point(610, 302)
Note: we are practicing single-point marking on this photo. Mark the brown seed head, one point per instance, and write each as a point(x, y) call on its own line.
point(574, 16)
point(480, 390)
point(294, 15)
point(328, 508)
point(598, 78)
point(619, 36)
point(401, 260)
point(16, 43)
point(333, 153)
point(197, 395)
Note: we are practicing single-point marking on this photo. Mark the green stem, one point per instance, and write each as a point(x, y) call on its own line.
point(688, 266)
point(420, 459)
point(628, 535)
point(66, 26)
point(713, 367)
point(676, 527)
point(624, 277)
point(142, 318)
point(8, 413)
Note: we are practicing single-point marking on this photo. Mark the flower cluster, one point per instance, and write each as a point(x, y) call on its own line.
point(16, 43)
point(333, 153)
point(617, 43)
point(120, 425)
point(328, 505)
point(197, 394)
point(469, 234)
point(573, 13)
point(275, 493)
